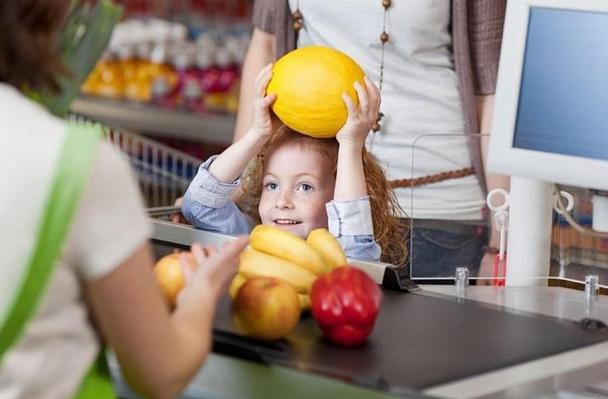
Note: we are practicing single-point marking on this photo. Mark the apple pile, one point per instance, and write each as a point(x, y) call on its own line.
point(278, 268)
point(280, 254)
point(282, 274)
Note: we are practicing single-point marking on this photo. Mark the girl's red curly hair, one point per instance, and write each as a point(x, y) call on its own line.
point(386, 212)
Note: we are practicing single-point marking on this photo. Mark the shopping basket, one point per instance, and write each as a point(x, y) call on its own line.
point(163, 172)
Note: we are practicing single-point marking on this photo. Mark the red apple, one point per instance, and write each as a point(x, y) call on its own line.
point(266, 308)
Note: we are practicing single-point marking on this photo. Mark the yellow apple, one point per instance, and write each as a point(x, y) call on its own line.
point(267, 308)
point(169, 276)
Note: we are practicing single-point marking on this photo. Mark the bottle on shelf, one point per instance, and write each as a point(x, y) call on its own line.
point(106, 80)
point(137, 87)
point(162, 79)
point(154, 61)
point(187, 92)
point(129, 66)
point(229, 75)
point(136, 82)
point(209, 76)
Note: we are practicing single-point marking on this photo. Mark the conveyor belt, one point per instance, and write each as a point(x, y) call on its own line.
point(420, 340)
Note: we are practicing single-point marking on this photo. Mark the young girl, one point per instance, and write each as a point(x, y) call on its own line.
point(299, 183)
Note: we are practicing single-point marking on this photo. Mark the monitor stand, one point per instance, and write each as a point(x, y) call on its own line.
point(600, 210)
point(529, 244)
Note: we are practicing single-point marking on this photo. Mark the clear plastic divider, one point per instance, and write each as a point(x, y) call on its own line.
point(451, 223)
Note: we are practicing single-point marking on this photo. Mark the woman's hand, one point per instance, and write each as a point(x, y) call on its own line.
point(215, 268)
point(262, 122)
point(360, 119)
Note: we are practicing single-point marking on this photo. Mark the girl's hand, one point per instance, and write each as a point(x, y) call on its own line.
point(177, 216)
point(231, 163)
point(262, 123)
point(360, 120)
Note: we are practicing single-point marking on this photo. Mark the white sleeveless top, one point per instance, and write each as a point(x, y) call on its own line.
point(419, 94)
point(59, 343)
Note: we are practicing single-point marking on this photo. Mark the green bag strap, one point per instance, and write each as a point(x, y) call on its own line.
point(72, 174)
point(98, 382)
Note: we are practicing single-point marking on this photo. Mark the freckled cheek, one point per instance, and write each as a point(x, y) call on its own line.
point(266, 205)
point(314, 212)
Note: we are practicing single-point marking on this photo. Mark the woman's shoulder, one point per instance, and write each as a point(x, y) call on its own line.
point(27, 118)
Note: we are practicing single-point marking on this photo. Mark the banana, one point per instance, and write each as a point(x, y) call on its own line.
point(327, 245)
point(304, 301)
point(255, 263)
point(236, 284)
point(287, 246)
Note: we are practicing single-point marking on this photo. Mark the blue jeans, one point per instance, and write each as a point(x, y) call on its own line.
point(437, 248)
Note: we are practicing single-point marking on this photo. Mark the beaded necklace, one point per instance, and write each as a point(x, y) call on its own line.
point(298, 24)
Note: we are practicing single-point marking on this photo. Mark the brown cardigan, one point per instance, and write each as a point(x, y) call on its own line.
point(476, 37)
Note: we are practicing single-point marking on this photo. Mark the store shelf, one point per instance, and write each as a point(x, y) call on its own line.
point(202, 127)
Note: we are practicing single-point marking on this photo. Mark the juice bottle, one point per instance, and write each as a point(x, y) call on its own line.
point(228, 77)
point(137, 87)
point(188, 90)
point(162, 79)
point(209, 79)
point(109, 81)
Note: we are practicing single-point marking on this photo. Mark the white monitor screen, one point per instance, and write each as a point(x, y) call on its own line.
point(550, 118)
point(563, 97)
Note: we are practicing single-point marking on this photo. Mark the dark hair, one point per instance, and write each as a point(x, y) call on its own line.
point(28, 43)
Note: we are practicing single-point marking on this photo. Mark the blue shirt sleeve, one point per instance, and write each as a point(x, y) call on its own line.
point(351, 223)
point(208, 204)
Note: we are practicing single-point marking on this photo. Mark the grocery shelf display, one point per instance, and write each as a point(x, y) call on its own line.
point(180, 59)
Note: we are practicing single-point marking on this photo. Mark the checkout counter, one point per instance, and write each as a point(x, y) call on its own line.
point(436, 341)
point(525, 340)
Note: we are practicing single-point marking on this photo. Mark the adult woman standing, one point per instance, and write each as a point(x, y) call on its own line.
point(436, 63)
point(75, 235)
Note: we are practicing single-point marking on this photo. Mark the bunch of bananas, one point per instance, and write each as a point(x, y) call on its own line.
point(277, 253)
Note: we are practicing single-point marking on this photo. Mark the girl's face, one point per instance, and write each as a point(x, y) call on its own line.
point(297, 184)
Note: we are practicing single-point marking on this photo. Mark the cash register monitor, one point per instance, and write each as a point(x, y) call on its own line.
point(551, 110)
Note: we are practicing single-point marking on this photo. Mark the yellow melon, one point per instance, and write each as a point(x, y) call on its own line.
point(309, 83)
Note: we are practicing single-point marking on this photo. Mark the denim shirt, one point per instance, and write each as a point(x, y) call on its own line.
point(208, 205)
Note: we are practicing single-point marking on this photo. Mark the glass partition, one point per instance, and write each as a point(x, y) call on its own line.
point(443, 196)
point(576, 254)
point(450, 221)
